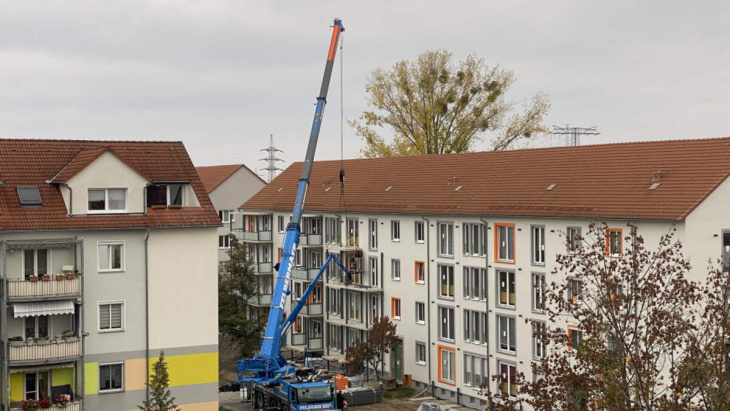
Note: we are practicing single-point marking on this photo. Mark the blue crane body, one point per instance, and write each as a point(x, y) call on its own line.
point(271, 381)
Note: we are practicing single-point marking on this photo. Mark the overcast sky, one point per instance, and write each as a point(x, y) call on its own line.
point(221, 76)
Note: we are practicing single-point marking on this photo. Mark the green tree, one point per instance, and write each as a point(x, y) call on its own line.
point(381, 339)
point(236, 285)
point(160, 397)
point(433, 106)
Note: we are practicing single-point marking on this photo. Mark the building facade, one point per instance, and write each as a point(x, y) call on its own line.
point(228, 187)
point(109, 258)
point(457, 249)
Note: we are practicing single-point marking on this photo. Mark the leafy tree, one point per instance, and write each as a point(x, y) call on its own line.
point(160, 398)
point(236, 285)
point(634, 312)
point(381, 339)
point(433, 106)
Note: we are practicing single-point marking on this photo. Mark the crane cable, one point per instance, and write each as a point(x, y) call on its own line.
point(343, 204)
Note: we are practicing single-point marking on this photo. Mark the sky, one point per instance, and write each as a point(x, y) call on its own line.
point(222, 76)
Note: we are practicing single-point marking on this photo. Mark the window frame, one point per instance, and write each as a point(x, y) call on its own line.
point(474, 239)
point(511, 366)
point(419, 232)
point(470, 361)
point(449, 245)
point(226, 242)
point(425, 353)
point(122, 258)
point(422, 271)
point(111, 364)
point(106, 209)
point(449, 286)
point(498, 258)
point(452, 351)
point(420, 310)
point(572, 296)
point(449, 325)
point(395, 231)
point(372, 234)
point(280, 226)
point(537, 254)
point(538, 342)
point(510, 274)
point(509, 330)
point(573, 246)
point(570, 329)
point(395, 269)
point(610, 242)
point(538, 291)
point(122, 314)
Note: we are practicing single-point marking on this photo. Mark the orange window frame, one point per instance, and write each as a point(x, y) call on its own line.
point(496, 243)
point(423, 271)
point(453, 351)
point(620, 242)
point(392, 308)
point(251, 221)
point(570, 328)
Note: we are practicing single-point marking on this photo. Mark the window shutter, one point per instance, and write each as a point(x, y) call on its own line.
point(104, 317)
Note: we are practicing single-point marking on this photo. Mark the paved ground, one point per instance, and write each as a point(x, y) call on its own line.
point(232, 401)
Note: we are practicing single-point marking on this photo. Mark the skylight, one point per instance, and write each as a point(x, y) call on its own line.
point(654, 186)
point(29, 195)
point(551, 186)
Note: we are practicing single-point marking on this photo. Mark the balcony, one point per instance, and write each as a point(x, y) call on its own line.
point(263, 268)
point(311, 309)
point(307, 274)
point(18, 289)
point(48, 352)
point(301, 340)
point(310, 240)
point(260, 300)
point(252, 236)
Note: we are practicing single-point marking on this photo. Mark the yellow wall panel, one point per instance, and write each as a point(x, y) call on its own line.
point(16, 386)
point(92, 378)
point(190, 369)
point(62, 376)
point(135, 374)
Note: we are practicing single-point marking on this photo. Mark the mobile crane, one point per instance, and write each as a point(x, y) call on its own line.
point(267, 378)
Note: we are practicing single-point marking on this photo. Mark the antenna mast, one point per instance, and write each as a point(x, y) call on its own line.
point(271, 159)
point(572, 134)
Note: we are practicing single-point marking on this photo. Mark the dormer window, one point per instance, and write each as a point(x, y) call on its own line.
point(161, 195)
point(29, 196)
point(107, 200)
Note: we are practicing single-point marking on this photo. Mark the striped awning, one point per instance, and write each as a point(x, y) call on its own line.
point(43, 308)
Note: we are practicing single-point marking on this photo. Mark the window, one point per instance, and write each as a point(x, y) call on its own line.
point(538, 244)
point(111, 256)
point(504, 242)
point(35, 262)
point(169, 195)
point(37, 385)
point(475, 329)
point(575, 289)
point(315, 297)
point(538, 292)
point(447, 365)
point(575, 337)
point(506, 288)
point(538, 339)
point(475, 283)
point(373, 234)
point(420, 234)
point(316, 328)
point(334, 337)
point(29, 195)
point(446, 323)
point(110, 377)
point(224, 241)
point(226, 216)
point(375, 306)
point(334, 302)
point(298, 329)
point(353, 236)
point(446, 239)
point(446, 281)
point(265, 223)
point(613, 242)
point(420, 353)
point(111, 316)
point(280, 223)
point(395, 312)
point(107, 199)
point(506, 331)
point(374, 278)
point(508, 374)
point(395, 269)
point(36, 326)
point(420, 272)
point(395, 230)
point(420, 313)
point(354, 312)
point(475, 243)
point(573, 239)
point(475, 370)
point(331, 230)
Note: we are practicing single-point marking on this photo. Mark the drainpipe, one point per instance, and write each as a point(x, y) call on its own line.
point(147, 312)
point(3, 315)
point(486, 288)
point(428, 299)
point(82, 332)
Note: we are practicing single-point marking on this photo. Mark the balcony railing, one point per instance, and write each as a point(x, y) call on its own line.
point(252, 235)
point(311, 309)
point(310, 239)
point(261, 299)
point(301, 273)
point(263, 268)
point(51, 351)
point(301, 339)
point(71, 406)
point(19, 288)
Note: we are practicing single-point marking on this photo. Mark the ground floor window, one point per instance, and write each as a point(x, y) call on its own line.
point(110, 377)
point(508, 374)
point(447, 365)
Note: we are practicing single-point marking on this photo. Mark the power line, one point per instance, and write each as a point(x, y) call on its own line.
point(572, 134)
point(271, 159)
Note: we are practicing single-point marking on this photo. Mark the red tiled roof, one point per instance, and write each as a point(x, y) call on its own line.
point(599, 181)
point(213, 176)
point(34, 162)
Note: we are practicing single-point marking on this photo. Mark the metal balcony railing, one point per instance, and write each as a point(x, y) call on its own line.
point(252, 235)
point(310, 240)
point(42, 352)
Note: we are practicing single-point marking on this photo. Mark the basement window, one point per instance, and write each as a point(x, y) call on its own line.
point(29, 196)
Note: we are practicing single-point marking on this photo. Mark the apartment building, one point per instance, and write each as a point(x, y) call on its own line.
point(228, 186)
point(458, 248)
point(108, 257)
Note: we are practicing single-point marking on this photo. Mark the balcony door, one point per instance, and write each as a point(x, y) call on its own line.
point(36, 326)
point(36, 385)
point(35, 262)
